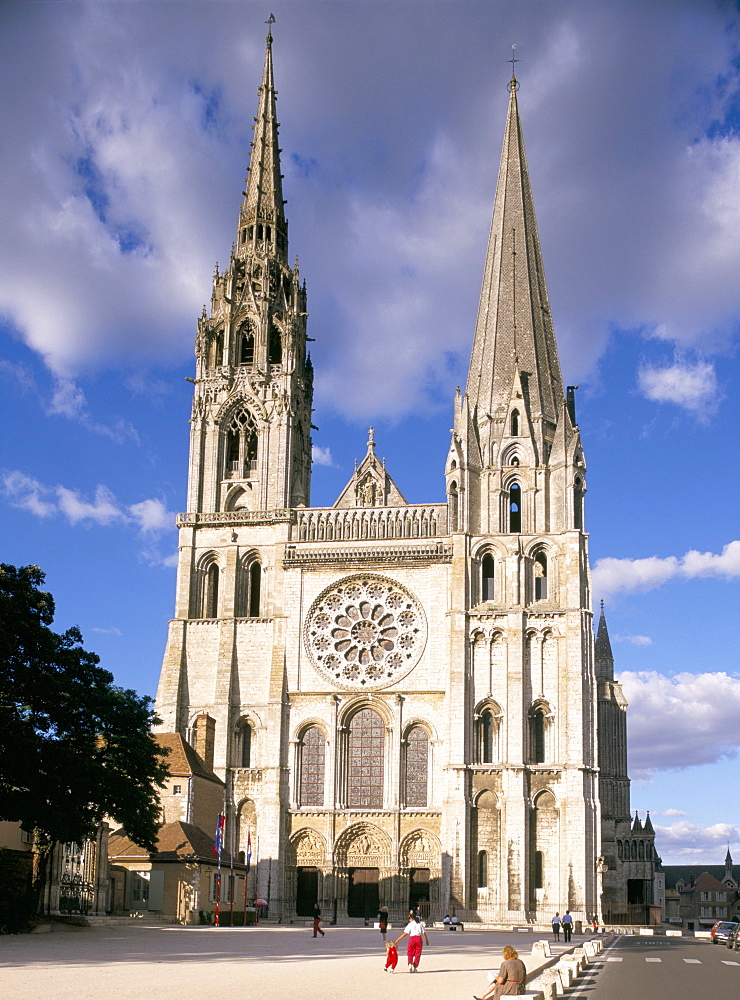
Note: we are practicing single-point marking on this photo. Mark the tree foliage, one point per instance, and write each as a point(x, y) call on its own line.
point(74, 748)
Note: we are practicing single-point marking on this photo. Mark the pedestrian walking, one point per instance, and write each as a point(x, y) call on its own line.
point(383, 921)
point(391, 956)
point(556, 926)
point(317, 920)
point(567, 926)
point(414, 931)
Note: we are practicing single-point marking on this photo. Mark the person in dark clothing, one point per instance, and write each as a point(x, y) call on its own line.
point(317, 920)
point(567, 925)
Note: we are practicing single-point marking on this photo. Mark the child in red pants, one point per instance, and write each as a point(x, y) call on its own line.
point(391, 956)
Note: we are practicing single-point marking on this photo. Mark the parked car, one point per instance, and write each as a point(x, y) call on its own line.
point(721, 929)
point(733, 938)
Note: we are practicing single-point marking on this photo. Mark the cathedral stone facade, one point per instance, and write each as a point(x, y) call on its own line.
point(403, 700)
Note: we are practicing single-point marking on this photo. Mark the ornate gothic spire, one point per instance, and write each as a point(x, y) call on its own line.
point(603, 650)
point(514, 331)
point(262, 216)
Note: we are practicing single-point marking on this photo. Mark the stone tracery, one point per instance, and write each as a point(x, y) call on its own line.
point(365, 631)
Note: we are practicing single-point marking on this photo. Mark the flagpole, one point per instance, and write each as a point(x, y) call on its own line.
point(246, 874)
point(231, 869)
point(217, 851)
point(257, 883)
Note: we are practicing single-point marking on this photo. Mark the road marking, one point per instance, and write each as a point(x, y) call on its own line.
point(692, 961)
point(725, 962)
point(653, 959)
point(614, 959)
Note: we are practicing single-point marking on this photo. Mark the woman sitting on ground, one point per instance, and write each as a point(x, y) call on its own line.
point(510, 979)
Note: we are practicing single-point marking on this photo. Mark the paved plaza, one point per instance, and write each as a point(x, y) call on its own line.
point(133, 962)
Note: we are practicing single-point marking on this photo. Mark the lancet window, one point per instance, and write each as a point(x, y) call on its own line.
point(417, 767)
point(515, 508)
point(365, 758)
point(241, 446)
point(487, 577)
point(312, 767)
point(540, 577)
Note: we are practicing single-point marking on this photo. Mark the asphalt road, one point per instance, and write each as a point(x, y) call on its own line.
point(659, 968)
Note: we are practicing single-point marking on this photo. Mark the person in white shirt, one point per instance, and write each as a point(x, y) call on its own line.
point(414, 931)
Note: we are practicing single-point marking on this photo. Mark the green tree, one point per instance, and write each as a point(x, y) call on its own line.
point(74, 748)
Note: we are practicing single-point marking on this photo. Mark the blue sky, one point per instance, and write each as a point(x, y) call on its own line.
point(126, 130)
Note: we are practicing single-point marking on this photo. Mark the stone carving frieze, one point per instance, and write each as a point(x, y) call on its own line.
point(309, 848)
point(365, 631)
point(420, 850)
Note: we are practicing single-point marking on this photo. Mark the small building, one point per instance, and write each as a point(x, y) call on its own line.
point(697, 902)
point(179, 882)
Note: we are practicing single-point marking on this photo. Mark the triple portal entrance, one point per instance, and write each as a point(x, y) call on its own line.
point(364, 877)
point(363, 891)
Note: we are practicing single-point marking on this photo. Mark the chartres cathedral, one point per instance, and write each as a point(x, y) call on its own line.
point(405, 701)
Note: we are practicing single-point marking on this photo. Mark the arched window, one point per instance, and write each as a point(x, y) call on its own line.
point(246, 354)
point(452, 506)
point(487, 577)
point(203, 738)
point(275, 348)
point(619, 849)
point(578, 503)
point(312, 767)
point(641, 850)
point(488, 736)
point(482, 869)
point(515, 423)
point(544, 834)
point(245, 749)
point(537, 736)
point(515, 508)
point(217, 351)
point(540, 577)
point(248, 589)
point(365, 755)
point(634, 850)
point(210, 603)
point(255, 580)
point(417, 767)
point(539, 869)
point(241, 446)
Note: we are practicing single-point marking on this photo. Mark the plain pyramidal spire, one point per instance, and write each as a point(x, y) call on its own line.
point(514, 330)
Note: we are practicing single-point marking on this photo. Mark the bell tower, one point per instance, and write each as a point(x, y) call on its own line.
point(515, 477)
point(251, 422)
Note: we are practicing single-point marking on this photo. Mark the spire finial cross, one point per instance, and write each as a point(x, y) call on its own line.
point(269, 22)
point(513, 83)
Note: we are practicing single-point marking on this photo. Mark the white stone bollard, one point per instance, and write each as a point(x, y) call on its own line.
point(646, 932)
point(674, 933)
point(541, 948)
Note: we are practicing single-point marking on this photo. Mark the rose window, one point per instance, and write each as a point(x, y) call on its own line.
point(365, 631)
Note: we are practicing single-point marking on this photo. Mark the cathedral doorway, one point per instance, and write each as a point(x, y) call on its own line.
point(363, 896)
point(307, 891)
point(419, 879)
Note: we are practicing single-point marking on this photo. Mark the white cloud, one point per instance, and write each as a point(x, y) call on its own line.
point(104, 509)
point(612, 576)
point(692, 386)
point(689, 843)
point(111, 630)
point(129, 149)
point(150, 516)
point(27, 493)
point(635, 640)
point(681, 721)
point(321, 456)
point(68, 400)
point(672, 812)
